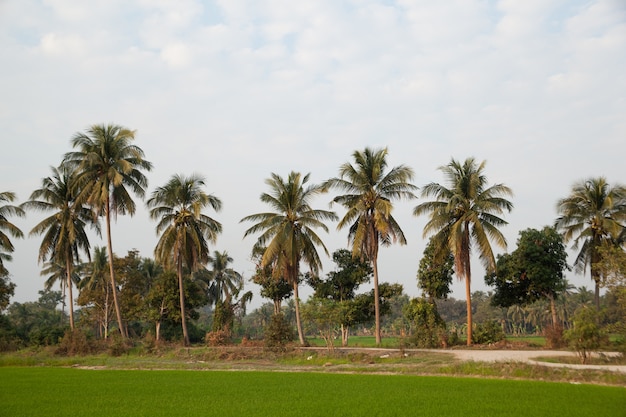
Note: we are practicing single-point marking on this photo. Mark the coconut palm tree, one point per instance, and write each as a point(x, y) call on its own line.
point(184, 230)
point(108, 167)
point(57, 272)
point(94, 282)
point(288, 232)
point(370, 191)
point(592, 215)
point(464, 215)
point(64, 231)
point(7, 210)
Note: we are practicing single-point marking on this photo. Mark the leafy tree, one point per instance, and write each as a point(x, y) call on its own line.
point(185, 230)
point(592, 215)
point(289, 231)
point(363, 308)
point(272, 282)
point(107, 166)
point(434, 275)
point(7, 290)
point(38, 323)
point(64, 231)
point(465, 215)
point(370, 192)
point(7, 228)
point(325, 315)
point(533, 271)
point(585, 336)
point(428, 326)
point(341, 285)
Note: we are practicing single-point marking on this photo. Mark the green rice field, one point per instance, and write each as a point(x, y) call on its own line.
point(52, 391)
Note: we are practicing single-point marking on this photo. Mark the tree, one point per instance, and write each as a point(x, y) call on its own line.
point(64, 231)
point(289, 230)
point(95, 290)
point(6, 227)
point(593, 214)
point(434, 275)
point(273, 284)
point(185, 230)
point(340, 286)
point(7, 289)
point(370, 192)
point(107, 167)
point(533, 271)
point(465, 214)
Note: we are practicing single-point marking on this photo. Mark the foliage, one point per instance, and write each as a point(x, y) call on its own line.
point(463, 216)
point(585, 336)
point(7, 290)
point(278, 333)
point(434, 274)
point(76, 342)
point(273, 284)
point(428, 328)
point(38, 323)
point(324, 315)
point(370, 192)
point(487, 333)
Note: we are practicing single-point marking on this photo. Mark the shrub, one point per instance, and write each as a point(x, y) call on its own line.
point(487, 332)
point(429, 329)
point(218, 338)
point(75, 342)
point(585, 336)
point(278, 333)
point(554, 336)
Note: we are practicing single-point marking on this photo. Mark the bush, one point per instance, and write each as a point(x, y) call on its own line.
point(218, 338)
point(487, 332)
point(76, 342)
point(554, 336)
point(429, 329)
point(585, 336)
point(278, 333)
point(118, 346)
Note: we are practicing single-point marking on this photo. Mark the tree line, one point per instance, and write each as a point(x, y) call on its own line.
point(97, 179)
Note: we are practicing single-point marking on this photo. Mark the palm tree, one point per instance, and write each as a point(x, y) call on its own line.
point(222, 281)
point(288, 231)
point(95, 281)
point(64, 231)
point(57, 272)
point(108, 166)
point(464, 215)
point(370, 192)
point(6, 210)
point(184, 230)
point(592, 215)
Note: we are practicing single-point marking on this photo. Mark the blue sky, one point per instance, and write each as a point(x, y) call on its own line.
point(235, 90)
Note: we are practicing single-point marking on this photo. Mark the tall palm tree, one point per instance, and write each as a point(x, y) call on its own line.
point(185, 231)
point(7, 210)
point(288, 232)
point(592, 215)
point(464, 215)
point(64, 231)
point(108, 166)
point(370, 192)
point(222, 281)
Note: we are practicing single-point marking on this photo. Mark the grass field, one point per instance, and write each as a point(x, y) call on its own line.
point(50, 392)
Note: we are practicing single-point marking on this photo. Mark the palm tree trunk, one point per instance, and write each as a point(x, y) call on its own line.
point(118, 312)
point(468, 295)
point(181, 291)
point(68, 271)
point(297, 305)
point(376, 302)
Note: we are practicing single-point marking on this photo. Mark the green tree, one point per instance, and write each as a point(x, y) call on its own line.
point(535, 270)
point(7, 228)
point(340, 286)
point(593, 214)
point(465, 215)
point(7, 289)
point(434, 274)
point(185, 231)
point(369, 194)
point(289, 230)
point(107, 167)
point(64, 230)
point(272, 282)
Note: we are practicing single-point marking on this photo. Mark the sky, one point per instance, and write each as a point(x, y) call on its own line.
point(236, 90)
